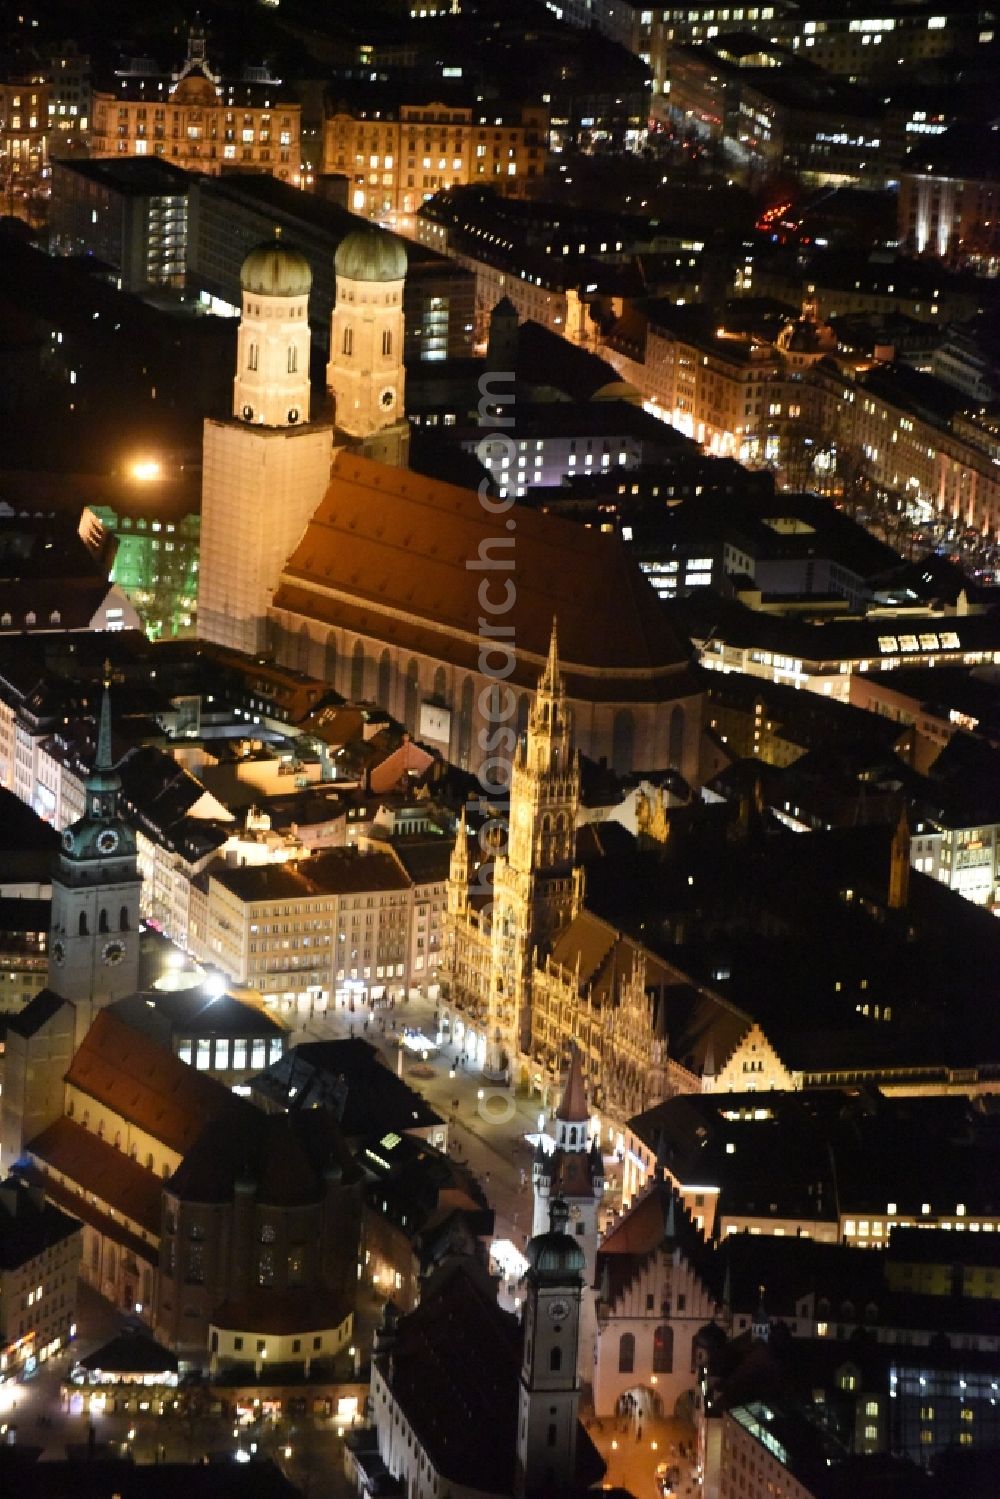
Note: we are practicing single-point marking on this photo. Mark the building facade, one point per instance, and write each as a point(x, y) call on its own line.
point(655, 1290)
point(39, 1265)
point(24, 130)
point(329, 930)
point(197, 122)
point(132, 214)
point(395, 164)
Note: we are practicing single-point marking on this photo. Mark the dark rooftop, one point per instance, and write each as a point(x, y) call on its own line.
point(28, 1224)
point(133, 176)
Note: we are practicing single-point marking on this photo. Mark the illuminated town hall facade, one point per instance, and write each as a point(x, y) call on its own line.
point(520, 980)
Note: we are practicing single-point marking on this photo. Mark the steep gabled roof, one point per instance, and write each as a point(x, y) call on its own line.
point(658, 1219)
point(148, 1086)
point(454, 1373)
point(573, 1104)
point(100, 1171)
point(387, 555)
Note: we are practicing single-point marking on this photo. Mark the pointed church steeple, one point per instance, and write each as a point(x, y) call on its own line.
point(460, 853)
point(103, 785)
point(458, 869)
point(94, 932)
point(551, 683)
point(573, 1109)
point(103, 761)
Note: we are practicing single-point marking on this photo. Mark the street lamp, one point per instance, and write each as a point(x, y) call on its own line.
point(147, 470)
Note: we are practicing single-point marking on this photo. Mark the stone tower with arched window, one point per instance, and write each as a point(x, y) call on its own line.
point(365, 373)
point(94, 932)
point(574, 1173)
point(537, 887)
point(271, 384)
point(549, 1393)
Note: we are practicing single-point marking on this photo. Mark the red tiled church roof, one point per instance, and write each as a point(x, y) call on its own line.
point(387, 555)
point(148, 1085)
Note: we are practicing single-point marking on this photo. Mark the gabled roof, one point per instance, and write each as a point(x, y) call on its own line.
point(386, 555)
point(99, 1170)
point(658, 1219)
point(148, 1086)
point(36, 1013)
point(28, 1224)
point(348, 1077)
point(607, 959)
point(288, 1158)
point(454, 1374)
point(132, 1351)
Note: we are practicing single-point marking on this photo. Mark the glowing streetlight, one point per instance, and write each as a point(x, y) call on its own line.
point(147, 470)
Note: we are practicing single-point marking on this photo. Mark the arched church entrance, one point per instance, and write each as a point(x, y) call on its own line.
point(639, 1403)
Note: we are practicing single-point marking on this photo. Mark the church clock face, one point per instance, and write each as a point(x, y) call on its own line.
point(58, 953)
point(387, 399)
point(558, 1310)
point(112, 953)
point(107, 841)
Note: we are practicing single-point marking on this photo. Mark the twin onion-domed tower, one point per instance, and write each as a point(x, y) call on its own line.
point(271, 387)
point(365, 372)
point(266, 468)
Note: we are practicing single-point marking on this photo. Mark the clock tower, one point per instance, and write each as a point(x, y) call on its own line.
point(550, 1388)
point(94, 936)
point(365, 373)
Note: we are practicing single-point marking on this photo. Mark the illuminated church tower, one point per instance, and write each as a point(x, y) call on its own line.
point(266, 469)
point(574, 1173)
point(94, 934)
point(537, 888)
point(549, 1389)
point(365, 373)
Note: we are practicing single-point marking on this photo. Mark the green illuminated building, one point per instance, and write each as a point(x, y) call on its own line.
point(157, 565)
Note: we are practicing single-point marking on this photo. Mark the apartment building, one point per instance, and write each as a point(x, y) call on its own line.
point(705, 381)
point(198, 122)
point(24, 124)
point(39, 1263)
point(395, 160)
point(332, 929)
point(740, 395)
